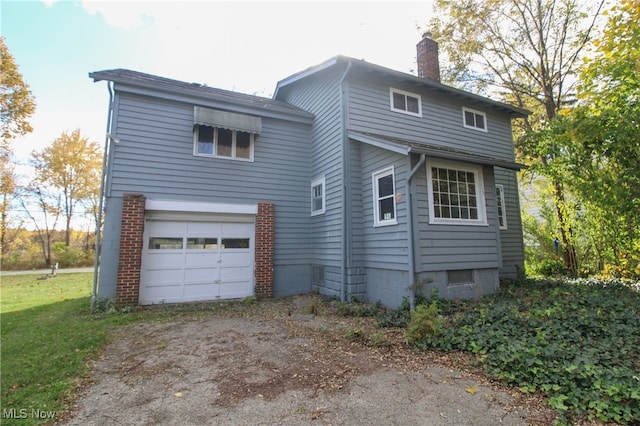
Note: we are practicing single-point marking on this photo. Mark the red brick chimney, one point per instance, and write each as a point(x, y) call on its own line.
point(428, 63)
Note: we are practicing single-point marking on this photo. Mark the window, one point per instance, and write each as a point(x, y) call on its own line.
point(384, 198)
point(165, 243)
point(317, 196)
point(235, 243)
point(502, 209)
point(224, 143)
point(460, 277)
point(202, 243)
point(474, 119)
point(405, 102)
point(455, 193)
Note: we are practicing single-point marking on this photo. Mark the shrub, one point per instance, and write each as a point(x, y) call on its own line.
point(426, 323)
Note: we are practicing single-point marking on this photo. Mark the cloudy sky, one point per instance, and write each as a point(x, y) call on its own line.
point(243, 46)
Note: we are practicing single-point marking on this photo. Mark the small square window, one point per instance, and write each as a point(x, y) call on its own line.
point(318, 196)
point(384, 198)
point(406, 102)
point(473, 119)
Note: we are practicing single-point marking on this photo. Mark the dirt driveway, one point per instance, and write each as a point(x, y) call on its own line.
point(288, 362)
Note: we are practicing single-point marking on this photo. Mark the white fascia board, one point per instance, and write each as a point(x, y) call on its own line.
point(200, 207)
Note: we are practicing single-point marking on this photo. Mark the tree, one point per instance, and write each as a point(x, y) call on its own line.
point(70, 164)
point(528, 51)
point(50, 207)
point(16, 101)
point(600, 145)
point(8, 193)
point(16, 106)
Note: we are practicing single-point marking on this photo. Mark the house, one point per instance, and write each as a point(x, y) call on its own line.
point(354, 180)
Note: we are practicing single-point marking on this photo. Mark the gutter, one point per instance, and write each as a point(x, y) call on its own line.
point(410, 240)
point(345, 246)
point(107, 140)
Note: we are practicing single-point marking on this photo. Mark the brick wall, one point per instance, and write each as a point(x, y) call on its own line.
point(264, 246)
point(130, 260)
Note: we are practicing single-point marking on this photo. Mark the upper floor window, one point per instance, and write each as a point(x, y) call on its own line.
point(318, 196)
point(405, 102)
point(384, 198)
point(502, 208)
point(473, 119)
point(456, 193)
point(220, 142)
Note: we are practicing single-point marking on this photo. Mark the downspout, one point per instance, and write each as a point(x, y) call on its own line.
point(107, 140)
point(344, 228)
point(410, 241)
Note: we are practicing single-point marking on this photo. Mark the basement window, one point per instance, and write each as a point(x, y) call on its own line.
point(460, 277)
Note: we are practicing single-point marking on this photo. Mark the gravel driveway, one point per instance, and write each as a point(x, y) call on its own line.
point(288, 362)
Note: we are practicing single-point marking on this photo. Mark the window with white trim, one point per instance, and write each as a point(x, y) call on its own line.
point(474, 119)
point(224, 143)
point(456, 194)
point(502, 208)
point(405, 102)
point(318, 196)
point(384, 198)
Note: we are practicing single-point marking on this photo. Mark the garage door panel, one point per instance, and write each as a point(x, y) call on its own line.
point(236, 290)
point(231, 274)
point(159, 294)
point(159, 277)
point(234, 257)
point(201, 259)
point(200, 275)
point(205, 291)
point(164, 260)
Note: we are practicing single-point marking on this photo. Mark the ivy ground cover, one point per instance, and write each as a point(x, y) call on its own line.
point(578, 342)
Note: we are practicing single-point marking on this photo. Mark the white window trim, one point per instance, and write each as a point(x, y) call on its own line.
point(393, 90)
point(480, 197)
point(502, 208)
point(215, 146)
point(376, 201)
point(319, 181)
point(474, 111)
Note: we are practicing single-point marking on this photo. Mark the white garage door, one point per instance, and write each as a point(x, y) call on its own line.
point(187, 261)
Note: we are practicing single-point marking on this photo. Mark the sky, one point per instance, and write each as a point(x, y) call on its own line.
point(241, 46)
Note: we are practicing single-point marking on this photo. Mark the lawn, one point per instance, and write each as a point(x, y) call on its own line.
point(48, 337)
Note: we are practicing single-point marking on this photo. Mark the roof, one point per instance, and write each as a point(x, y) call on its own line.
point(156, 83)
point(406, 147)
point(427, 83)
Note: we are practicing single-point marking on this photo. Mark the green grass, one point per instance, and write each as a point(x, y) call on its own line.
point(48, 337)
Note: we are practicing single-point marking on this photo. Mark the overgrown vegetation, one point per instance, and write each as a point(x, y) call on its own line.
point(575, 341)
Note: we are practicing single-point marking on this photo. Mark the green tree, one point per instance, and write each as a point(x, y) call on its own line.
point(600, 142)
point(16, 107)
point(16, 101)
point(71, 165)
point(528, 51)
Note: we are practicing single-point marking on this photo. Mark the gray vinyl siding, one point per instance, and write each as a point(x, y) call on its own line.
point(441, 122)
point(443, 247)
point(511, 238)
point(320, 95)
point(385, 247)
point(154, 157)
